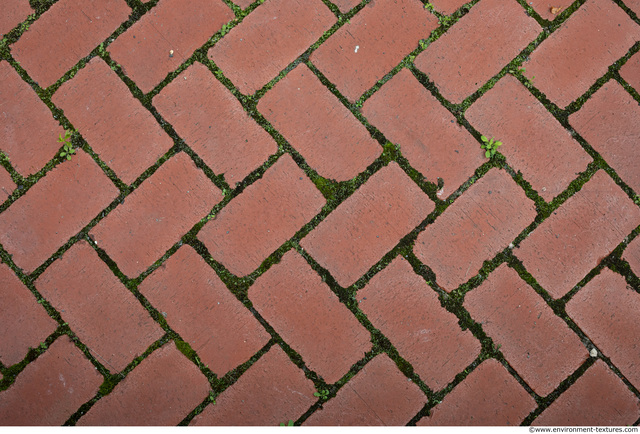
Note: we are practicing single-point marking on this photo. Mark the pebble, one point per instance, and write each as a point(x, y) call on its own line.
point(593, 352)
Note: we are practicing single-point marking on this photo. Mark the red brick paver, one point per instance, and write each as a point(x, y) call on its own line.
point(116, 125)
point(372, 44)
point(98, 307)
point(13, 13)
point(7, 186)
point(66, 33)
point(317, 125)
point(346, 5)
point(548, 9)
point(368, 224)
point(54, 210)
point(378, 395)
point(610, 122)
point(204, 312)
point(575, 238)
point(24, 323)
point(630, 71)
point(489, 396)
point(272, 391)
point(533, 142)
point(474, 228)
point(243, 3)
point(608, 311)
point(28, 132)
point(214, 124)
point(292, 298)
point(569, 61)
point(632, 255)
point(634, 5)
point(161, 391)
point(270, 38)
point(167, 36)
point(537, 344)
point(405, 309)
point(447, 6)
point(156, 215)
point(262, 218)
point(477, 47)
point(50, 389)
point(597, 398)
point(428, 135)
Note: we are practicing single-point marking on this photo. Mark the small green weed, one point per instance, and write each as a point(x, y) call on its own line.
point(67, 147)
point(290, 423)
point(225, 29)
point(490, 146)
point(323, 394)
point(445, 20)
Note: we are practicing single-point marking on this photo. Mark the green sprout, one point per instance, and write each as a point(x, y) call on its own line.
point(67, 147)
point(290, 423)
point(490, 146)
point(323, 394)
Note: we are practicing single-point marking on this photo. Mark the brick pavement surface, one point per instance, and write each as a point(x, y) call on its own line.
point(284, 212)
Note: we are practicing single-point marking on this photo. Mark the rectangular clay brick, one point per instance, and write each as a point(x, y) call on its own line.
point(13, 13)
point(100, 310)
point(533, 141)
point(271, 392)
point(374, 41)
point(578, 235)
point(162, 390)
point(607, 309)
point(117, 127)
point(66, 33)
point(610, 122)
point(634, 5)
point(204, 312)
point(407, 311)
point(7, 186)
point(488, 396)
point(632, 255)
point(429, 136)
point(262, 217)
point(331, 140)
point(165, 37)
point(378, 395)
point(156, 215)
point(214, 124)
point(477, 47)
point(545, 7)
point(570, 60)
point(447, 7)
point(54, 210)
point(346, 5)
point(599, 397)
point(368, 224)
point(292, 298)
point(28, 133)
point(51, 388)
point(476, 227)
point(268, 39)
point(537, 343)
point(630, 71)
point(23, 322)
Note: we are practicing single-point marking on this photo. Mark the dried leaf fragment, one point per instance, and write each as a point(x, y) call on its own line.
point(555, 11)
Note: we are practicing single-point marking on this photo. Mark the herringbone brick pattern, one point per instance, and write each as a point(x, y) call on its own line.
point(283, 211)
